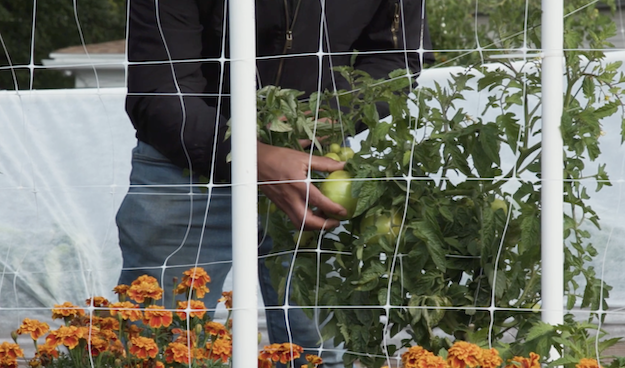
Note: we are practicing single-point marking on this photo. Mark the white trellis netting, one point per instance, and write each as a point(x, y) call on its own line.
point(64, 164)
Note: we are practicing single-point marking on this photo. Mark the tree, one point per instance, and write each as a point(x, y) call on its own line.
point(57, 24)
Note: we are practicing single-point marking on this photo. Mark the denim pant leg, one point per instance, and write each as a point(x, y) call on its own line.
point(165, 227)
point(302, 331)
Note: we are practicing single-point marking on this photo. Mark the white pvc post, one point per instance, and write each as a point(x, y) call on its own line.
point(552, 220)
point(244, 183)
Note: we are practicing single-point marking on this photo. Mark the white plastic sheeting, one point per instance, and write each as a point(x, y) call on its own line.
point(64, 165)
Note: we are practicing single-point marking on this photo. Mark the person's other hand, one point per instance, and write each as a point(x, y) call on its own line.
point(283, 164)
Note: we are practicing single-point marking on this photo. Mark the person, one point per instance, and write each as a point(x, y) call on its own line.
point(178, 101)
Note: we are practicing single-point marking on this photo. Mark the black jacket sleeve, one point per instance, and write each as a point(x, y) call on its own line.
point(165, 99)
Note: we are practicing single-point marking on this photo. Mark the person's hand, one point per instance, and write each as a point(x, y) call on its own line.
point(282, 164)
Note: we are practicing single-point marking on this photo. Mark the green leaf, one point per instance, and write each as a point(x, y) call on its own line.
point(368, 193)
point(433, 239)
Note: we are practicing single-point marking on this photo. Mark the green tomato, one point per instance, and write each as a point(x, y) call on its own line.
point(339, 190)
point(335, 148)
point(346, 153)
point(406, 158)
point(307, 239)
point(333, 156)
point(266, 207)
point(499, 204)
point(387, 226)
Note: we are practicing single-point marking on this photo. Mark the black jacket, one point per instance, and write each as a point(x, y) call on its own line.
point(191, 36)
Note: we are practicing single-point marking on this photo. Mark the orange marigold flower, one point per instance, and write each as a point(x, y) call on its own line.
point(65, 335)
point(226, 297)
point(490, 358)
point(532, 362)
point(313, 359)
point(97, 301)
point(33, 327)
point(463, 354)
point(265, 363)
point(216, 329)
point(97, 346)
point(117, 348)
point(196, 307)
point(431, 361)
point(145, 287)
point(143, 347)
point(220, 349)
point(156, 316)
point(195, 277)
point(47, 350)
point(67, 310)
point(127, 310)
point(108, 323)
point(282, 353)
point(177, 352)
point(8, 362)
point(121, 289)
point(588, 363)
point(133, 331)
point(10, 350)
point(411, 357)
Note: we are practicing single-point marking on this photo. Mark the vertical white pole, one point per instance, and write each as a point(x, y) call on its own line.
point(242, 30)
point(552, 220)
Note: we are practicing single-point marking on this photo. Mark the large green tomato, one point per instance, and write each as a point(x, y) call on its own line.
point(339, 190)
point(499, 204)
point(386, 226)
point(345, 153)
point(335, 148)
point(333, 156)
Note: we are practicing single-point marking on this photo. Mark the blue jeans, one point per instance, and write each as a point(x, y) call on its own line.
point(166, 227)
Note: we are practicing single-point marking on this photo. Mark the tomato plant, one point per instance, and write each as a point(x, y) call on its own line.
point(456, 254)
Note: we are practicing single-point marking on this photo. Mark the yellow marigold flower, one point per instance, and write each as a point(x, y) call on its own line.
point(177, 352)
point(411, 357)
point(97, 301)
point(65, 335)
point(145, 287)
point(431, 361)
point(127, 310)
point(219, 349)
point(216, 329)
point(46, 350)
point(97, 346)
point(313, 359)
point(10, 350)
point(588, 363)
point(490, 358)
point(33, 327)
point(226, 297)
point(143, 347)
point(197, 309)
point(463, 354)
point(67, 310)
point(156, 316)
point(282, 353)
point(532, 362)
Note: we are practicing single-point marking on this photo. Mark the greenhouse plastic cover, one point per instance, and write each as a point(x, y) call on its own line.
point(64, 167)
